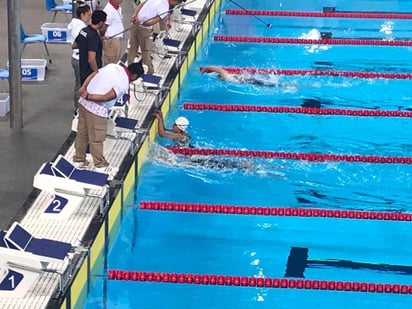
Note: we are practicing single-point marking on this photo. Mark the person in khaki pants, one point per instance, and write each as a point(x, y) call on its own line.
point(98, 94)
point(112, 45)
point(145, 15)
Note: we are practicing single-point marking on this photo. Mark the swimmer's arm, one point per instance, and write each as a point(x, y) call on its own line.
point(220, 71)
point(163, 132)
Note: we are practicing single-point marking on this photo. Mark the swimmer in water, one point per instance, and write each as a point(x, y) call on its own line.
point(243, 79)
point(178, 133)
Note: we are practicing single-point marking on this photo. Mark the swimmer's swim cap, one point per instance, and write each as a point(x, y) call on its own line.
point(182, 123)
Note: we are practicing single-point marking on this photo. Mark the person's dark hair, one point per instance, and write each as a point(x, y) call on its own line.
point(81, 9)
point(136, 68)
point(98, 16)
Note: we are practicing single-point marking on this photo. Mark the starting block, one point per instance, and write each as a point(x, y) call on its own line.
point(151, 81)
point(173, 46)
point(187, 12)
point(21, 247)
point(118, 125)
point(62, 176)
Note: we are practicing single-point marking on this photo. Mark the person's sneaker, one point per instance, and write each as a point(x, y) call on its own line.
point(81, 165)
point(110, 170)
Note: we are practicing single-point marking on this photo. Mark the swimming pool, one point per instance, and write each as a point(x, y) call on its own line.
point(332, 236)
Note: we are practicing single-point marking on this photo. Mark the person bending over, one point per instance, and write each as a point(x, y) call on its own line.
point(98, 94)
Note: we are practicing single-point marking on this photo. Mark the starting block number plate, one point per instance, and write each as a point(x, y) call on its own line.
point(11, 281)
point(57, 205)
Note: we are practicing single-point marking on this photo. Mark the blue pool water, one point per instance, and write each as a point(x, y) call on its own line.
point(239, 245)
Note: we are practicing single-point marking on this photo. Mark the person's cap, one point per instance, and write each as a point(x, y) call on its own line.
point(182, 123)
point(136, 68)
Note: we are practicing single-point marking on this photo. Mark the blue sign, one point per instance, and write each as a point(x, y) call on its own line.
point(11, 281)
point(29, 73)
point(57, 35)
point(57, 205)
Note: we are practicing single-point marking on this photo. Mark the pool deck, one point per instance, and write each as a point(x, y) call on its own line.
point(47, 118)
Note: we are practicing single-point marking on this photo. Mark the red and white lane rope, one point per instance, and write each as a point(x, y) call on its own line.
point(277, 40)
point(296, 110)
point(260, 282)
point(380, 15)
point(275, 211)
point(313, 157)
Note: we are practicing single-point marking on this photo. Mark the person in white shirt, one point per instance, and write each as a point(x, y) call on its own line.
point(145, 15)
point(98, 94)
point(112, 45)
point(83, 13)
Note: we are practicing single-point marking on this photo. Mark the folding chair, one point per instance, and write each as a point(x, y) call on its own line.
point(33, 38)
point(54, 8)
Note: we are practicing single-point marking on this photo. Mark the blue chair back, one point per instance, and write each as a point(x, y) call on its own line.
point(50, 5)
point(22, 34)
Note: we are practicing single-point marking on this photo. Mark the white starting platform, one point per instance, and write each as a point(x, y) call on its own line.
point(24, 257)
point(62, 176)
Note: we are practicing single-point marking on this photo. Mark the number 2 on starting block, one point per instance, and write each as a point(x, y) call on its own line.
point(57, 205)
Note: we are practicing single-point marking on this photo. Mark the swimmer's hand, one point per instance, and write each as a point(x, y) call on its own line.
point(159, 115)
point(205, 70)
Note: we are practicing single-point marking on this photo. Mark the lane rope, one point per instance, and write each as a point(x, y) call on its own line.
point(296, 110)
point(276, 40)
point(312, 157)
point(260, 282)
point(275, 211)
point(311, 72)
point(381, 15)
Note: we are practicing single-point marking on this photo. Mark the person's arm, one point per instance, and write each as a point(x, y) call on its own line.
point(136, 11)
point(220, 71)
point(91, 59)
point(111, 95)
point(162, 131)
point(82, 89)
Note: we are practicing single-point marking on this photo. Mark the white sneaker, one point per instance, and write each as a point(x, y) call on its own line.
point(110, 170)
point(81, 165)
